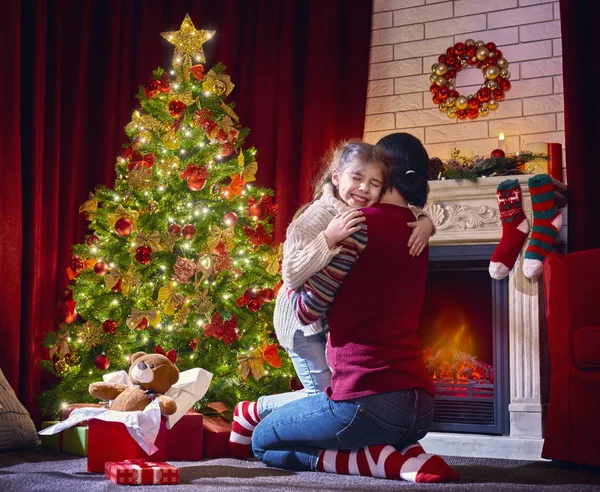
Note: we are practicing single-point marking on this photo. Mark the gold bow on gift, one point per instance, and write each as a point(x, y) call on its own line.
point(217, 235)
point(274, 258)
point(218, 83)
point(137, 315)
point(252, 363)
point(170, 299)
point(121, 213)
point(90, 206)
point(248, 171)
point(61, 346)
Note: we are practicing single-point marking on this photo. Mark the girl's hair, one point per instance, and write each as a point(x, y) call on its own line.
point(409, 165)
point(338, 158)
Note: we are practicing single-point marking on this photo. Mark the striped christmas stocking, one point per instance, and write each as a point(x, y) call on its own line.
point(547, 220)
point(245, 419)
point(384, 461)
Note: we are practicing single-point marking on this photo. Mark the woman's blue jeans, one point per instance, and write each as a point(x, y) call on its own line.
point(294, 436)
point(308, 357)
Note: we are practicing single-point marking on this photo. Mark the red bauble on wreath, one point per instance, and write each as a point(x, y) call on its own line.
point(494, 68)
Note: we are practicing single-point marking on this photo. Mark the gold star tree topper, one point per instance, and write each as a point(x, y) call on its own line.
point(188, 42)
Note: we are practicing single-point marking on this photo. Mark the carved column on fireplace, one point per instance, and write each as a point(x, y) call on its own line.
point(466, 213)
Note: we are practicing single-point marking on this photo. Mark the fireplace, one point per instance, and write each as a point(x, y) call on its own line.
point(464, 330)
point(467, 231)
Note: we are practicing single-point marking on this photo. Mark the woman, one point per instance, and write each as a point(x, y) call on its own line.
point(380, 400)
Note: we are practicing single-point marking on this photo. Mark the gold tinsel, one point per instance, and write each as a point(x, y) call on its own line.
point(140, 180)
point(188, 42)
point(90, 334)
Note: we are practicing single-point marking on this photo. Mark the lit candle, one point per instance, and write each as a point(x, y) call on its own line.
point(501, 141)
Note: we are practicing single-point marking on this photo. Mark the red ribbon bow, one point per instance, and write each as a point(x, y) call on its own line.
point(192, 170)
point(171, 354)
point(254, 300)
point(267, 201)
point(258, 236)
point(137, 160)
point(222, 330)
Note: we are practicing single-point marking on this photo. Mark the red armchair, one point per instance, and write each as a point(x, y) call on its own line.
point(571, 284)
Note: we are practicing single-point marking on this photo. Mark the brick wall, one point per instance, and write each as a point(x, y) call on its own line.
point(409, 35)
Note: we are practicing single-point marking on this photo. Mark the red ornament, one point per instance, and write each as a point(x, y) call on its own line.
point(498, 94)
point(450, 51)
point(451, 60)
point(444, 59)
point(93, 239)
point(152, 88)
point(484, 94)
point(489, 62)
point(498, 54)
point(453, 94)
point(102, 362)
point(230, 219)
point(175, 229)
point(434, 89)
point(504, 84)
point(117, 287)
point(66, 311)
point(443, 92)
point(462, 114)
point(473, 103)
point(142, 325)
point(472, 113)
point(497, 153)
point(123, 226)
point(471, 50)
point(143, 255)
point(193, 344)
point(491, 46)
point(188, 231)
point(177, 108)
point(77, 263)
point(109, 327)
point(258, 211)
point(254, 305)
point(437, 99)
point(196, 182)
point(101, 268)
point(459, 49)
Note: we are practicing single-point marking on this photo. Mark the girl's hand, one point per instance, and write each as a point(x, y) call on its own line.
point(423, 229)
point(343, 225)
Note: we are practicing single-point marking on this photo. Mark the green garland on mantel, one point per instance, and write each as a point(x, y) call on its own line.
point(472, 168)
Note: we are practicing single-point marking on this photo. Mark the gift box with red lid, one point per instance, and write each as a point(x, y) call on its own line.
point(140, 471)
point(184, 439)
point(216, 437)
point(110, 441)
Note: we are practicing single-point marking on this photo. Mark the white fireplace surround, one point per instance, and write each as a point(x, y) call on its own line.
point(467, 213)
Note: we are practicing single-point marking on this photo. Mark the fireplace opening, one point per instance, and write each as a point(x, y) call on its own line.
point(464, 334)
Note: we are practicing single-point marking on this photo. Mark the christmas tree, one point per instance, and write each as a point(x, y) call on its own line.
point(180, 259)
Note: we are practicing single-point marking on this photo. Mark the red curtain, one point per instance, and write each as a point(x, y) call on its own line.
point(580, 35)
point(72, 68)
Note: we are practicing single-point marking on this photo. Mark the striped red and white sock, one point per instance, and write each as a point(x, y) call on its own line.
point(245, 419)
point(384, 461)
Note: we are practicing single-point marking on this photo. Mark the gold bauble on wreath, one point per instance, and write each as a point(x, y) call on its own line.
point(494, 68)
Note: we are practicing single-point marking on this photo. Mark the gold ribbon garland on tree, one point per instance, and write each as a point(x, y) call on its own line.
point(494, 68)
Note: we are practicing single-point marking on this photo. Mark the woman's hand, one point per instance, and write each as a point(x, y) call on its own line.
point(422, 231)
point(343, 225)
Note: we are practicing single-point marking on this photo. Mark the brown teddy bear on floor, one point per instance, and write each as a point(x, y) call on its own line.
point(152, 375)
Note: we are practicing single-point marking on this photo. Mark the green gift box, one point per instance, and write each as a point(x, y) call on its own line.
point(73, 440)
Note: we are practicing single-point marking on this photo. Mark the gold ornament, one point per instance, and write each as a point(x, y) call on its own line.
point(140, 180)
point(443, 107)
point(152, 207)
point(73, 358)
point(491, 84)
point(493, 104)
point(451, 101)
point(251, 363)
point(136, 316)
point(491, 72)
point(470, 42)
point(171, 140)
point(483, 111)
point(218, 83)
point(90, 206)
point(433, 78)
point(170, 299)
point(439, 80)
point(482, 53)
point(464, 62)
point(90, 334)
point(452, 112)
point(479, 44)
point(462, 102)
point(188, 43)
point(61, 367)
point(434, 67)
point(145, 137)
point(441, 69)
point(502, 62)
point(168, 164)
point(505, 74)
point(451, 85)
point(121, 213)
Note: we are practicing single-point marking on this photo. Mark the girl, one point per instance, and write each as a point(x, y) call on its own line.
point(355, 179)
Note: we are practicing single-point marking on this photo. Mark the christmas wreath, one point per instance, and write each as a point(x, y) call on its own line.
point(494, 68)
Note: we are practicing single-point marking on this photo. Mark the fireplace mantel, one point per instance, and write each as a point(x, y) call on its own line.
point(466, 213)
